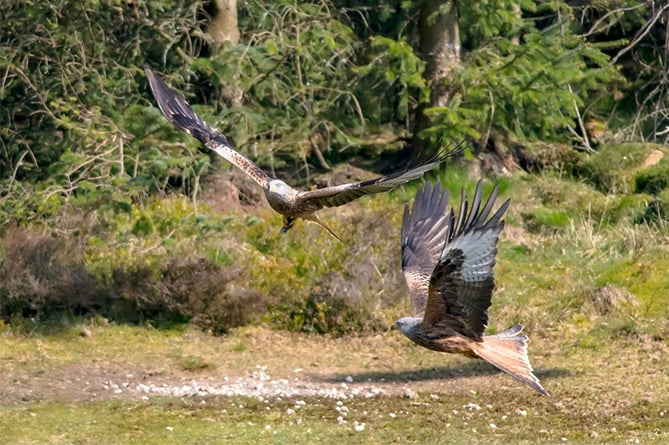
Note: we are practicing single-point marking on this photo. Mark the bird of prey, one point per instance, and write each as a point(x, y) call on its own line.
point(448, 261)
point(286, 200)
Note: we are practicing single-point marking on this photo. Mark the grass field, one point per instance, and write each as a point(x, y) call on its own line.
point(586, 272)
point(375, 389)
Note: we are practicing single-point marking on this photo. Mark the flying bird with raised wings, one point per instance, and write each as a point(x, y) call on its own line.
point(448, 261)
point(286, 200)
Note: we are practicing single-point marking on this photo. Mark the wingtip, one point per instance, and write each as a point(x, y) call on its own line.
point(451, 151)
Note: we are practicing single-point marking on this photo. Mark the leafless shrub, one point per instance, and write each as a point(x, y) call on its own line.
point(210, 294)
point(40, 272)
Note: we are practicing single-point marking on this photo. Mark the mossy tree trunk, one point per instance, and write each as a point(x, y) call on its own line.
point(440, 48)
point(223, 26)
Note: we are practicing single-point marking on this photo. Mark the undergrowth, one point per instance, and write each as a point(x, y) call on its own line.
point(166, 260)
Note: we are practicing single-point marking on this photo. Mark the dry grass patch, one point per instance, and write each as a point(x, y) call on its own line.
point(612, 394)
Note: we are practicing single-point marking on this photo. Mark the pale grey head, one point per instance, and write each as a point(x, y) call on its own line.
point(280, 196)
point(409, 326)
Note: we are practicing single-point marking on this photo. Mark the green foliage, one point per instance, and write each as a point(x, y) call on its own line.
point(533, 87)
point(400, 80)
point(193, 363)
point(76, 120)
point(545, 219)
point(612, 169)
point(296, 79)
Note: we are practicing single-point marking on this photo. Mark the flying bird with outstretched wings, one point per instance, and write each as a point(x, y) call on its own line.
point(448, 261)
point(286, 200)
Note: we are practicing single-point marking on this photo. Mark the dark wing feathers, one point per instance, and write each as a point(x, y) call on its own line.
point(424, 231)
point(462, 283)
point(344, 193)
point(178, 112)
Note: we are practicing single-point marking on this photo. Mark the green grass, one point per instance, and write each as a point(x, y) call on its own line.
point(568, 245)
point(389, 420)
point(612, 392)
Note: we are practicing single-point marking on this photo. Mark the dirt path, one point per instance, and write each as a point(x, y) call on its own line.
point(136, 363)
point(123, 362)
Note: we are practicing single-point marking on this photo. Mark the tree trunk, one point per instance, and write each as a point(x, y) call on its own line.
point(223, 26)
point(440, 48)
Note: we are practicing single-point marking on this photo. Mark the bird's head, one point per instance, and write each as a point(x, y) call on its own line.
point(279, 187)
point(407, 325)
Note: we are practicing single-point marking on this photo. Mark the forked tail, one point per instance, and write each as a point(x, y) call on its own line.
point(508, 351)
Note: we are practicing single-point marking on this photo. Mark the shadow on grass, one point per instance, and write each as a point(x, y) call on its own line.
point(470, 369)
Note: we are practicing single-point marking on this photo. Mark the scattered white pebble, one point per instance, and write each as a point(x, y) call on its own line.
point(33, 415)
point(359, 426)
point(521, 412)
point(471, 407)
point(340, 420)
point(564, 439)
point(504, 417)
point(493, 426)
point(169, 428)
point(290, 411)
point(409, 394)
point(268, 427)
point(393, 415)
point(348, 379)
